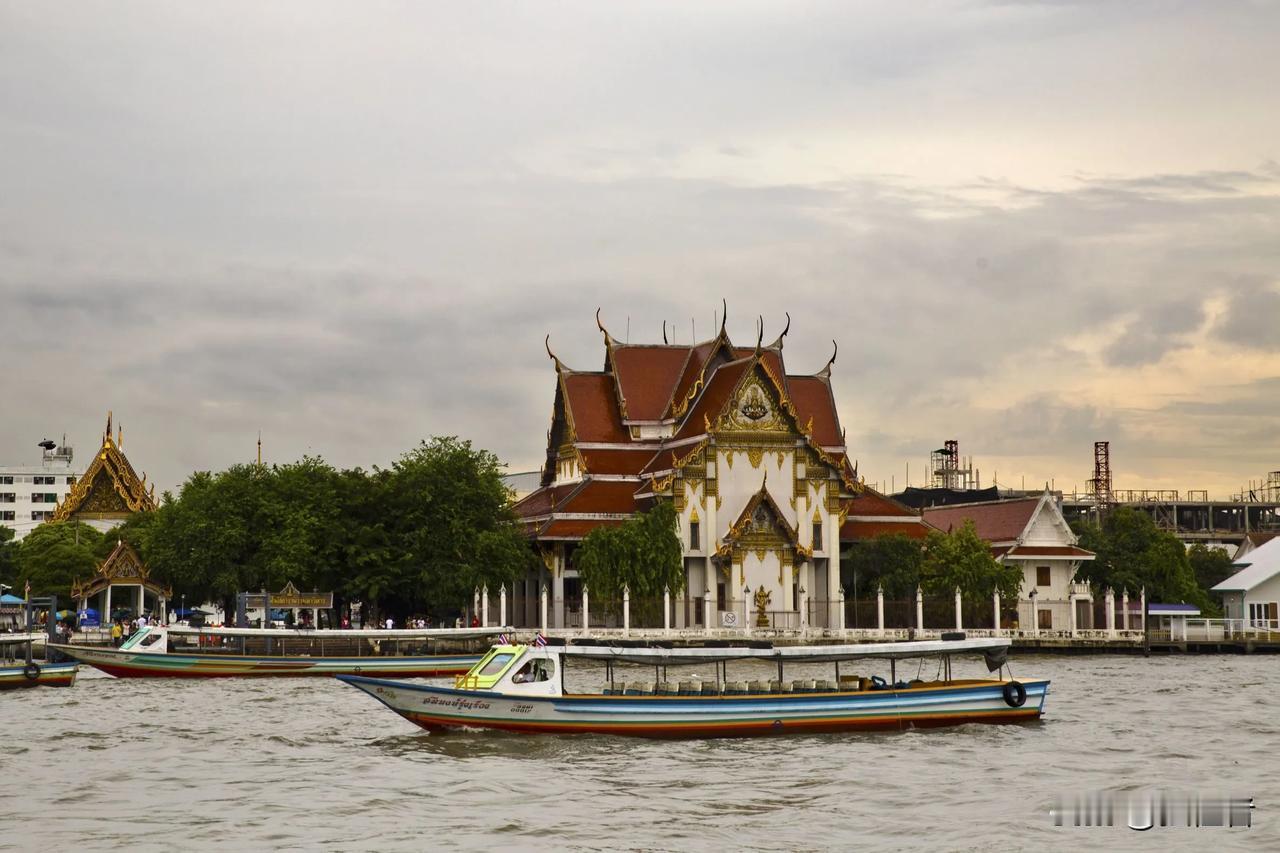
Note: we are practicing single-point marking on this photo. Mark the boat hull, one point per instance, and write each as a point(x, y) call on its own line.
point(442, 709)
point(126, 664)
point(50, 675)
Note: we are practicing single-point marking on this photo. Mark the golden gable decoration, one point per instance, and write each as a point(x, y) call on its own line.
point(123, 566)
point(109, 489)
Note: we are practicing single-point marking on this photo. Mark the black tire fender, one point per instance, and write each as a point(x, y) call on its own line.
point(31, 671)
point(1015, 694)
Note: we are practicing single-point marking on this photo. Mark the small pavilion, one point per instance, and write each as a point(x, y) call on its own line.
point(122, 580)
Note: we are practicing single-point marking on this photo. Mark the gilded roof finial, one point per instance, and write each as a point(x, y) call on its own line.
point(551, 355)
point(106, 439)
point(826, 371)
point(664, 331)
point(760, 333)
point(724, 313)
point(778, 343)
point(608, 339)
point(120, 436)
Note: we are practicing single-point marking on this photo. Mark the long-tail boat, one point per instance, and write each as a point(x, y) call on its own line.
point(521, 688)
point(33, 673)
point(155, 651)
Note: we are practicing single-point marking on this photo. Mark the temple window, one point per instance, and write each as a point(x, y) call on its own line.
point(1042, 576)
point(695, 535)
point(817, 536)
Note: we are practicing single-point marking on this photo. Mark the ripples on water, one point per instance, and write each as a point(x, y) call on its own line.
point(312, 764)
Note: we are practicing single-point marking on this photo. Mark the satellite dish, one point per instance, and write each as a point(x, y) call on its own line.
point(48, 444)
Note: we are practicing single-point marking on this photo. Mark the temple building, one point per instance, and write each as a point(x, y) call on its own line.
point(109, 491)
point(753, 459)
point(121, 586)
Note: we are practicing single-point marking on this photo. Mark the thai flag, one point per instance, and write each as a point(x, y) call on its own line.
point(539, 641)
point(504, 640)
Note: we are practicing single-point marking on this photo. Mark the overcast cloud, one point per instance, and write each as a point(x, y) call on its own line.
point(1029, 225)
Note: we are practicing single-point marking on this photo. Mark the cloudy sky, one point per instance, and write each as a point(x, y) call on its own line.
point(1030, 225)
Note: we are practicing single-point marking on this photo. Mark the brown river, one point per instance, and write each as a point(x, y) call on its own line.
point(311, 764)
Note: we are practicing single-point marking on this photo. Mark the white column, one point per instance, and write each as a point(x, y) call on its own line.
point(839, 604)
point(666, 611)
point(475, 606)
point(880, 611)
point(803, 607)
point(995, 613)
point(107, 614)
point(1111, 612)
point(1142, 604)
point(919, 609)
point(1035, 619)
point(626, 612)
point(959, 623)
point(1124, 609)
point(586, 611)
point(484, 608)
point(557, 593)
point(543, 614)
point(502, 606)
point(1071, 614)
point(708, 605)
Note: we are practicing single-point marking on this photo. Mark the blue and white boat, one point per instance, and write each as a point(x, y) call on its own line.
point(521, 688)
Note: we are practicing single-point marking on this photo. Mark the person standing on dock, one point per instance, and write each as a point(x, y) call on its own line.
point(117, 634)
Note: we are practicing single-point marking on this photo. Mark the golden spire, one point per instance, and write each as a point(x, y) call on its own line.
point(106, 438)
point(259, 447)
point(120, 436)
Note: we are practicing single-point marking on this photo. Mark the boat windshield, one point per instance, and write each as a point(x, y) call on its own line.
point(496, 664)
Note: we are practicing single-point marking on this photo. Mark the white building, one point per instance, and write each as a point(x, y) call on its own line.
point(1253, 593)
point(1031, 533)
point(29, 493)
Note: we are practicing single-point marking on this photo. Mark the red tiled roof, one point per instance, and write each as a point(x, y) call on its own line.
point(692, 370)
point(853, 529)
point(997, 521)
point(1050, 551)
point(811, 395)
point(574, 528)
point(647, 376)
point(617, 461)
point(771, 357)
point(602, 496)
point(869, 502)
point(594, 407)
point(713, 398)
point(540, 502)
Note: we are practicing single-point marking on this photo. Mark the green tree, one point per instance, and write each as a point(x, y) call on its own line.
point(55, 554)
point(1211, 566)
point(961, 559)
point(642, 555)
point(450, 527)
point(1133, 555)
point(890, 562)
point(9, 547)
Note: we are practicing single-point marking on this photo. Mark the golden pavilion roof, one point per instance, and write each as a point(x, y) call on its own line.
point(110, 488)
point(122, 566)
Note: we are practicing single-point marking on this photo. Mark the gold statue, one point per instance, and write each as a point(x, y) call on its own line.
point(763, 597)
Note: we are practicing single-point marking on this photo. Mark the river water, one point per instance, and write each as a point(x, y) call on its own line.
point(245, 764)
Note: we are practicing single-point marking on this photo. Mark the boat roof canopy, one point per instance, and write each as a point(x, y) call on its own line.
point(371, 633)
point(786, 654)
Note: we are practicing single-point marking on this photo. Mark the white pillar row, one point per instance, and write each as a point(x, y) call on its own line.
point(959, 620)
point(1111, 612)
point(543, 608)
point(919, 609)
point(880, 611)
point(484, 607)
point(666, 610)
point(586, 611)
point(626, 612)
point(1124, 610)
point(502, 606)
